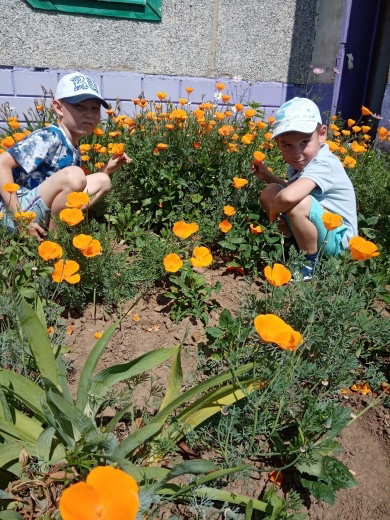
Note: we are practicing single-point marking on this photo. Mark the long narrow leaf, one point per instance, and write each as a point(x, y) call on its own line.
point(37, 339)
point(24, 428)
point(48, 449)
point(117, 417)
point(140, 436)
point(105, 379)
point(10, 451)
point(69, 412)
point(26, 391)
point(62, 379)
point(175, 379)
point(89, 367)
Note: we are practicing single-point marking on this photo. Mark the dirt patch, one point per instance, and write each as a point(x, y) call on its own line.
point(366, 441)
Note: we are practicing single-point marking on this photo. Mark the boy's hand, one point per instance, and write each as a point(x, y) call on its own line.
point(260, 170)
point(35, 230)
point(115, 162)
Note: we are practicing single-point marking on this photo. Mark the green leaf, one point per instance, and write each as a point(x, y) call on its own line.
point(23, 427)
point(71, 413)
point(193, 467)
point(338, 474)
point(89, 367)
point(340, 417)
point(23, 389)
point(105, 379)
point(175, 379)
point(249, 510)
point(4, 407)
point(320, 490)
point(10, 451)
point(10, 515)
point(62, 379)
point(227, 245)
point(114, 421)
point(214, 332)
point(225, 318)
point(314, 468)
point(37, 339)
point(40, 312)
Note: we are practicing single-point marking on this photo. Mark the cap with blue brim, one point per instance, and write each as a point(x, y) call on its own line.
point(76, 87)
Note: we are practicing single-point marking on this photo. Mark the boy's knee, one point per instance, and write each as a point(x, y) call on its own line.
point(269, 193)
point(302, 208)
point(74, 178)
point(104, 183)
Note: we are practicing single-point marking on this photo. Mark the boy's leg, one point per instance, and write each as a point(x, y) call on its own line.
point(303, 229)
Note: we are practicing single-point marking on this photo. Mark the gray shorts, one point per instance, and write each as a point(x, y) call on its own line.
point(28, 200)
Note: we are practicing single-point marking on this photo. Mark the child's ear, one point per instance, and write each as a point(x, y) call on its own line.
point(56, 104)
point(322, 133)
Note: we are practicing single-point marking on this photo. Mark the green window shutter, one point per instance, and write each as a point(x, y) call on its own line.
point(149, 10)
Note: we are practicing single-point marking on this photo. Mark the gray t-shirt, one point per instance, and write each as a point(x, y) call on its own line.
point(334, 190)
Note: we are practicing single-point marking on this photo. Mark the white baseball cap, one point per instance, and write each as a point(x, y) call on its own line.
point(296, 115)
point(76, 87)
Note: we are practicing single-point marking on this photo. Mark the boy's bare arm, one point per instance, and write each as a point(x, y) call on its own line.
point(290, 196)
point(262, 172)
point(7, 163)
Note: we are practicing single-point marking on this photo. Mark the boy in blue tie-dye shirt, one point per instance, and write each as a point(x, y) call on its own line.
point(46, 164)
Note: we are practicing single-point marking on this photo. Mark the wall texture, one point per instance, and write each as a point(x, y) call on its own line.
point(260, 40)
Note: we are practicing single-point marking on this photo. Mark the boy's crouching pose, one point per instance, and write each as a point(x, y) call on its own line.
point(316, 183)
point(46, 164)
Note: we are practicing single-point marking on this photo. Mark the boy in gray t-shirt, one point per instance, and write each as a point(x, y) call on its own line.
point(316, 183)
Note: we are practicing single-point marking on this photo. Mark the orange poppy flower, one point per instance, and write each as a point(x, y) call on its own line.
point(258, 157)
point(99, 166)
point(225, 130)
point(367, 137)
point(50, 330)
point(276, 477)
point(173, 263)
point(179, 115)
point(277, 275)
point(161, 95)
point(357, 148)
point(219, 116)
point(201, 257)
point(13, 124)
point(142, 103)
point(98, 131)
point(333, 127)
point(196, 146)
point(71, 216)
point(49, 250)
point(189, 90)
point(229, 211)
point(27, 132)
point(161, 146)
point(25, 216)
point(93, 249)
point(366, 128)
point(225, 226)
point(136, 317)
point(103, 149)
point(356, 129)
point(11, 187)
point(169, 126)
point(220, 86)
point(182, 101)
point(98, 335)
point(233, 147)
point(332, 146)
point(108, 493)
point(246, 139)
point(228, 113)
point(250, 113)
point(77, 199)
point(66, 271)
point(346, 132)
point(81, 241)
point(238, 107)
point(261, 125)
point(183, 229)
point(351, 122)
point(361, 388)
point(273, 329)
point(362, 249)
point(342, 149)
point(268, 136)
point(69, 330)
point(85, 158)
point(110, 112)
point(238, 182)
point(225, 98)
point(331, 220)
point(256, 230)
point(271, 120)
point(366, 111)
point(84, 147)
point(19, 136)
point(118, 149)
point(382, 132)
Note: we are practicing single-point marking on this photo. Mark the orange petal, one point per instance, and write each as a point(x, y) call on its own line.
point(79, 502)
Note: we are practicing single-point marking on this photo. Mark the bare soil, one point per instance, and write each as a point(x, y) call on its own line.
point(366, 442)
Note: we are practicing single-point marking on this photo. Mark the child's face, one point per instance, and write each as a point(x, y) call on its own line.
point(299, 149)
point(79, 118)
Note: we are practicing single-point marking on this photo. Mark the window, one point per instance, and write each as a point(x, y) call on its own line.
point(135, 9)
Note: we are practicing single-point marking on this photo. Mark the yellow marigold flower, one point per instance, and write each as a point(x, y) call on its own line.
point(172, 263)
point(229, 211)
point(85, 158)
point(233, 147)
point(239, 182)
point(225, 226)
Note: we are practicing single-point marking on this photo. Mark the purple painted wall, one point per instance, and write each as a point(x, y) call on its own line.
point(385, 111)
point(20, 86)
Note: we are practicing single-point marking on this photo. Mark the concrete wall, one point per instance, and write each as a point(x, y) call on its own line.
point(260, 40)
